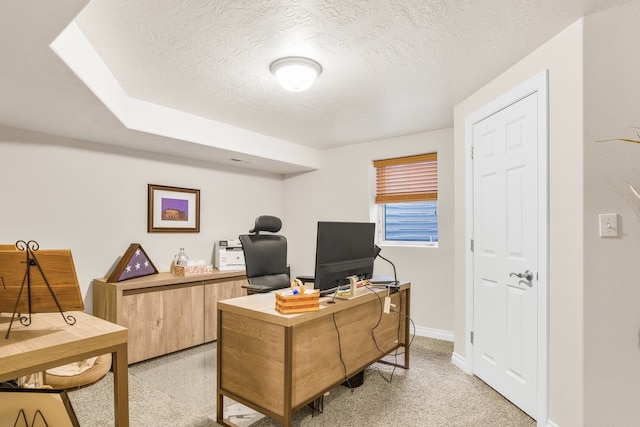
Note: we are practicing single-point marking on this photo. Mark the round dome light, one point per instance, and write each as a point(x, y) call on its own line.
point(295, 73)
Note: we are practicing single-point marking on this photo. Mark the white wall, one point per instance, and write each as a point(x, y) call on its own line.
point(92, 199)
point(562, 56)
point(594, 292)
point(342, 190)
point(612, 269)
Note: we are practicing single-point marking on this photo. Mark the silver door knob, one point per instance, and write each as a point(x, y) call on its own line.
point(527, 275)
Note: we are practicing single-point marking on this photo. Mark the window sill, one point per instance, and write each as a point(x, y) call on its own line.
point(392, 244)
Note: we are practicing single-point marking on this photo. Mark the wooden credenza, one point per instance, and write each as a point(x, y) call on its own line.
point(166, 313)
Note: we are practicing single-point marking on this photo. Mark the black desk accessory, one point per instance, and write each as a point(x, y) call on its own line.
point(395, 284)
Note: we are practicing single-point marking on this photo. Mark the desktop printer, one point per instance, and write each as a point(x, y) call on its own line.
point(228, 255)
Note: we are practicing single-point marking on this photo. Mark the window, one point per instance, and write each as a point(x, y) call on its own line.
point(407, 197)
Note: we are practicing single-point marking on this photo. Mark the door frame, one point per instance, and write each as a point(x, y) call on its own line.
point(537, 84)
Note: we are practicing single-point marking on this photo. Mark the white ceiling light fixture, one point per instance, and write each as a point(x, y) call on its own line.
point(295, 73)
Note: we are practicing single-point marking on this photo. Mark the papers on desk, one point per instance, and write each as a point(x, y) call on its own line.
point(344, 294)
point(347, 294)
point(291, 292)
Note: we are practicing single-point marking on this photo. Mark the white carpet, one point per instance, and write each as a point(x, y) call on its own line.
point(178, 390)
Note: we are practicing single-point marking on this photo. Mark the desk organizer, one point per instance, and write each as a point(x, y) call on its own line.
point(288, 304)
point(191, 270)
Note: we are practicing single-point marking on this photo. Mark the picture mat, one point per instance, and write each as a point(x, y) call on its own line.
point(158, 195)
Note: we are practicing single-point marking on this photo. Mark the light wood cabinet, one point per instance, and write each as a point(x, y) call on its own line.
point(166, 313)
point(218, 291)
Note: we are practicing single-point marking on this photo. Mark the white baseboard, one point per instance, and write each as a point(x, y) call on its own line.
point(460, 362)
point(434, 333)
point(456, 359)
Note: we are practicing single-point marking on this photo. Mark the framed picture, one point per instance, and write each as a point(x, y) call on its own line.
point(173, 210)
point(36, 407)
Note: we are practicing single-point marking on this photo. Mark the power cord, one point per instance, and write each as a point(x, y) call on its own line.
point(333, 299)
point(344, 366)
point(396, 353)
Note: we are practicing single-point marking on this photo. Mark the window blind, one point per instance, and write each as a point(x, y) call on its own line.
point(407, 179)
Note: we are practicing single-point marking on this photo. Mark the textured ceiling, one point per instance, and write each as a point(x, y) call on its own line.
point(390, 68)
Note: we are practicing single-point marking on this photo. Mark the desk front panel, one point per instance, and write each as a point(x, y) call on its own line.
point(280, 368)
point(252, 360)
point(357, 337)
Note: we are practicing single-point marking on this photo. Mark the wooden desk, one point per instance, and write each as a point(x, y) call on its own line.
point(276, 364)
point(49, 342)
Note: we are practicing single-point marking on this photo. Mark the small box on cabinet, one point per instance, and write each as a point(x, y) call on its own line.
point(191, 270)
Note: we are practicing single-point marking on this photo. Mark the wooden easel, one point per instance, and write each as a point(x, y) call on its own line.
point(40, 295)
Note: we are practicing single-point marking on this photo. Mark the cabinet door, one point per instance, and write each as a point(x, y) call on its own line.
point(161, 322)
point(184, 311)
point(143, 315)
point(217, 291)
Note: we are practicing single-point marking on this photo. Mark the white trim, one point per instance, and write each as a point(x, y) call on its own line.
point(538, 83)
point(75, 50)
point(434, 333)
point(460, 362)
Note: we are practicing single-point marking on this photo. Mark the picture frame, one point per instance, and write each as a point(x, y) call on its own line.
point(37, 407)
point(173, 209)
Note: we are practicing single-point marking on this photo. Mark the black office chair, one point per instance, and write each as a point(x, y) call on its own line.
point(265, 256)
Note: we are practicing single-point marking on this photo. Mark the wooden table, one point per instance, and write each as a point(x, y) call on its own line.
point(49, 342)
point(276, 363)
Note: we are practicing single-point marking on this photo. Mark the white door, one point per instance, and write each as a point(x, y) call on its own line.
point(505, 257)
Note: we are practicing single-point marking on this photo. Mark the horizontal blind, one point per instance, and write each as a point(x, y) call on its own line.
point(407, 179)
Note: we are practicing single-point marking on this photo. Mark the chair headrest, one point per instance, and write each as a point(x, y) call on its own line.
point(267, 223)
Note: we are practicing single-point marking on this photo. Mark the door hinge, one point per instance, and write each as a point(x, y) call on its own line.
point(471, 245)
point(472, 152)
point(471, 337)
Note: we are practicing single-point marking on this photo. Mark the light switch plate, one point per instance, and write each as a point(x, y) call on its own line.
point(609, 225)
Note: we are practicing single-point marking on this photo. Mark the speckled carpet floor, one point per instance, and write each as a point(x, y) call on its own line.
point(178, 390)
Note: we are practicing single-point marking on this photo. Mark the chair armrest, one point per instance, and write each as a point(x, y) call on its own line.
point(306, 279)
point(257, 289)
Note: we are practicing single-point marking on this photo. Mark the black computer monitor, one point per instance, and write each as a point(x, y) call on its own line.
point(343, 249)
